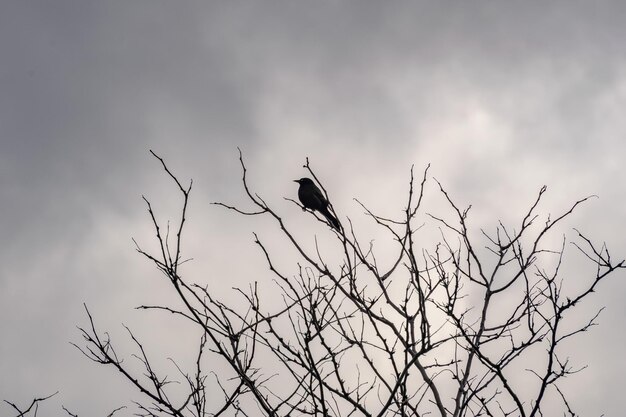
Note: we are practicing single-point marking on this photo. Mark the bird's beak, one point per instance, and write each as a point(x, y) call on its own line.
point(296, 181)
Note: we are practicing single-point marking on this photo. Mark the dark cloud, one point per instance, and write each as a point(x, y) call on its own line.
point(501, 98)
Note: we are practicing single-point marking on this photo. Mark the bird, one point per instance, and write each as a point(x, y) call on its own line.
point(312, 198)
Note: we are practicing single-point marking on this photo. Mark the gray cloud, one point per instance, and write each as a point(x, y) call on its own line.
point(501, 98)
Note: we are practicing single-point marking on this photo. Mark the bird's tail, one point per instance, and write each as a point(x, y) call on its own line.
point(331, 219)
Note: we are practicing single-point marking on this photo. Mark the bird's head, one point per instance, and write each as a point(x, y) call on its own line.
point(304, 181)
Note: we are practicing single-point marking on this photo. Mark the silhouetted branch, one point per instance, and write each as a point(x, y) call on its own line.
point(34, 406)
point(419, 330)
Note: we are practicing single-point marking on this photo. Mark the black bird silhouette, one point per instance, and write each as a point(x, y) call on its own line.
point(312, 198)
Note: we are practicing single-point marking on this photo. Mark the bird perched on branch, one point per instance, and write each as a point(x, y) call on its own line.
point(312, 198)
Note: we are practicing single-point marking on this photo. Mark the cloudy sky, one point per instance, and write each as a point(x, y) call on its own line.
point(499, 97)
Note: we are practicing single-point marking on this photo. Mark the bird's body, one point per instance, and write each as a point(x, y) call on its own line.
point(312, 198)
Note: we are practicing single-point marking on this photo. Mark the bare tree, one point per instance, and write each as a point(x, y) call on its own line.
point(459, 328)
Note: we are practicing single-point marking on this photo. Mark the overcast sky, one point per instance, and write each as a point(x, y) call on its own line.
point(500, 98)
